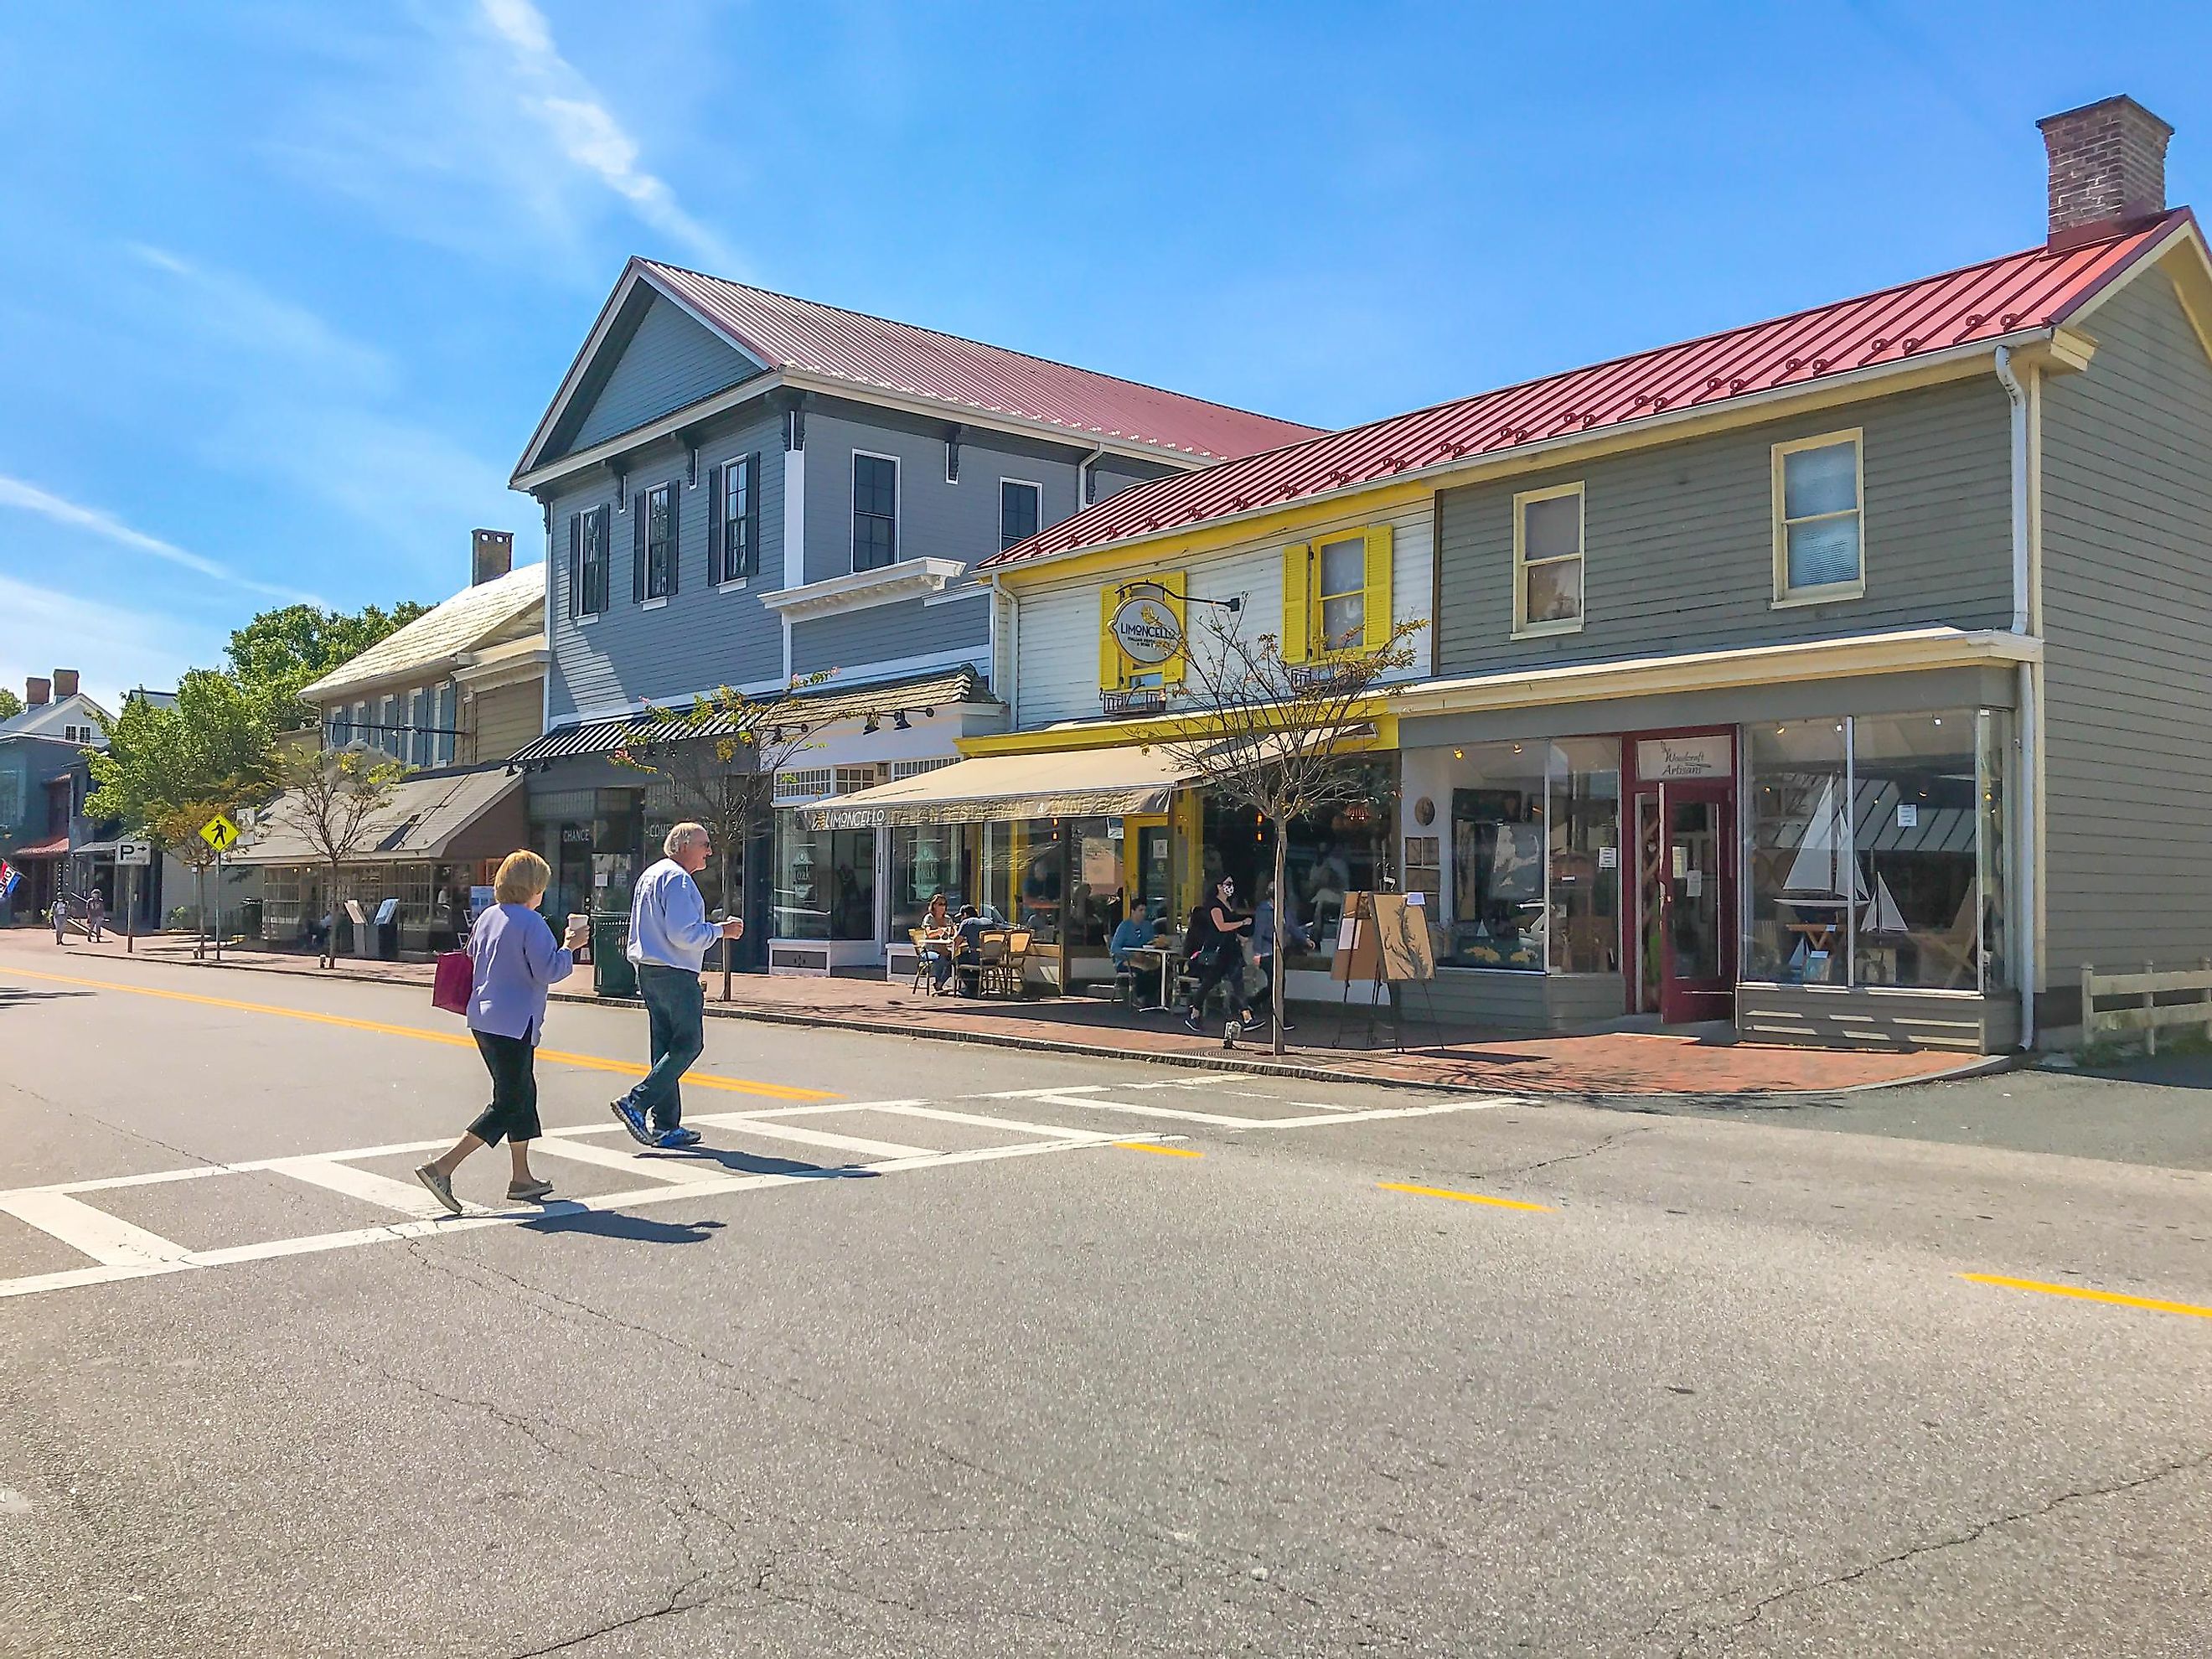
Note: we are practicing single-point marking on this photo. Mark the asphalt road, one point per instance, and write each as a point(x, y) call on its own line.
point(963, 1374)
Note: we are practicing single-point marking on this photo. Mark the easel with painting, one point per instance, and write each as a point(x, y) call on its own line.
point(1382, 943)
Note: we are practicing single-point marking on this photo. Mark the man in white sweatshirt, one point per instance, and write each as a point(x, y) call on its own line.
point(669, 938)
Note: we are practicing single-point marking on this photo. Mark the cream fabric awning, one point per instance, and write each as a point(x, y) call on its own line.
point(1061, 783)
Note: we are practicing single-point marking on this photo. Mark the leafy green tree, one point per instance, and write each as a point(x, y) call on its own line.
point(10, 704)
point(282, 650)
point(213, 748)
point(334, 800)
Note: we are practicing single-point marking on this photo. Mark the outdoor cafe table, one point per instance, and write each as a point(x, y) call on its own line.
point(1166, 954)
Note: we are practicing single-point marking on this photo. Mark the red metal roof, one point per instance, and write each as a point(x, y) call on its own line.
point(53, 847)
point(2036, 288)
point(805, 335)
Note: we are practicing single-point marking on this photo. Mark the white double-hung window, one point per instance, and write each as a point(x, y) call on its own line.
point(1819, 550)
point(1548, 560)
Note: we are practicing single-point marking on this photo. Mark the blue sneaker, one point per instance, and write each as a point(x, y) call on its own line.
point(675, 1140)
point(634, 1120)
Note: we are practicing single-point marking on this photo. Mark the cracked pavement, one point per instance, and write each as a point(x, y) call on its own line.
point(1725, 1395)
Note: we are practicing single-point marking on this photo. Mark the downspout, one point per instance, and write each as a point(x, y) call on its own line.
point(1009, 693)
point(2027, 950)
point(1083, 476)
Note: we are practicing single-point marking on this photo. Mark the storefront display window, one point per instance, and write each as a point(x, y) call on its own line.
point(1498, 856)
point(1914, 827)
point(1022, 875)
point(1094, 881)
point(1992, 743)
point(925, 859)
point(1585, 854)
point(825, 882)
point(1876, 848)
point(1803, 881)
point(1340, 849)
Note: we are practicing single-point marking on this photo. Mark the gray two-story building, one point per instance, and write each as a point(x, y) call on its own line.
point(743, 490)
point(1842, 674)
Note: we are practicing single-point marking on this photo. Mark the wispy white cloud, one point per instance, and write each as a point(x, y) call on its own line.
point(575, 116)
point(113, 647)
point(289, 396)
point(468, 127)
point(29, 498)
point(244, 315)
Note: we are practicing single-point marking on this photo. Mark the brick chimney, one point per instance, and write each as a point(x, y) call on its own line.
point(38, 692)
point(2107, 169)
point(64, 684)
point(491, 555)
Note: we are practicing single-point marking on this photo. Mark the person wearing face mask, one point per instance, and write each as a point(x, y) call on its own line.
point(1216, 943)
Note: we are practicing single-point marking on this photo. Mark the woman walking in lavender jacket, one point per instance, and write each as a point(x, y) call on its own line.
point(516, 960)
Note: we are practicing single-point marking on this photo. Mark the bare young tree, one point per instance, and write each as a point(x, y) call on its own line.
point(720, 757)
point(1275, 734)
point(332, 800)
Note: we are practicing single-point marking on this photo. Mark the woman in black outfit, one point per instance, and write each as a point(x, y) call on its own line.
point(1216, 942)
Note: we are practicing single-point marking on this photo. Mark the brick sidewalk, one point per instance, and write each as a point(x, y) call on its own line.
point(1605, 1063)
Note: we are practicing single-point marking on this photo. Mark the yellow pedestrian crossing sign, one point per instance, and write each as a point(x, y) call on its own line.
point(219, 832)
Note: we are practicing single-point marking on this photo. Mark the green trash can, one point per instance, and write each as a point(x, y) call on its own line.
point(613, 974)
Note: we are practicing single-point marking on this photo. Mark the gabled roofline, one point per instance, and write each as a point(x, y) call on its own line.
point(859, 391)
point(2054, 335)
point(634, 272)
point(337, 686)
point(1955, 362)
point(532, 469)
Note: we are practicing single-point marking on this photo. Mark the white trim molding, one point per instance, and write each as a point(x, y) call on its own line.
point(902, 578)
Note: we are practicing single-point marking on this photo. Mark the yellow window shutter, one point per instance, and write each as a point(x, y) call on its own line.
point(1297, 601)
point(1376, 631)
point(1110, 648)
point(1174, 586)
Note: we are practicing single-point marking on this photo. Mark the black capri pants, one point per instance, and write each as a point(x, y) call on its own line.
point(1228, 970)
point(512, 1114)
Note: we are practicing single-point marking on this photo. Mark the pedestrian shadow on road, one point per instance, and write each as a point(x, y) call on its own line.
point(637, 1229)
point(737, 1163)
point(9, 996)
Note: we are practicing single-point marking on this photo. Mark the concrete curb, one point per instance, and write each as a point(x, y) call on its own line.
point(1226, 1059)
point(1250, 1061)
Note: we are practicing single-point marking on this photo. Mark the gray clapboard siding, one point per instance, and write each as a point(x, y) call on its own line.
point(1679, 540)
point(936, 519)
point(883, 633)
point(670, 361)
point(1516, 1002)
point(1883, 1021)
point(1112, 474)
point(2127, 613)
point(700, 638)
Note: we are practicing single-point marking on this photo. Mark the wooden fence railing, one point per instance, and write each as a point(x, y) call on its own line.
point(2144, 1012)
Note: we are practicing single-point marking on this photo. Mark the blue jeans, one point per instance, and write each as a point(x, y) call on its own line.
point(675, 1013)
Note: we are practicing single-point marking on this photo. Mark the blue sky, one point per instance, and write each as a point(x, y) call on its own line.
point(285, 287)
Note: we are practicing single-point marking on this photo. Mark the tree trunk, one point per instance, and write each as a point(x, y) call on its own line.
point(199, 910)
point(1282, 937)
point(331, 935)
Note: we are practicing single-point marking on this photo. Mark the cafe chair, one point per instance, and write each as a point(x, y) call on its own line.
point(1013, 967)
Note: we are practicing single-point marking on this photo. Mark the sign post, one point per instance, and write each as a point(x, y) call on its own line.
point(134, 856)
point(220, 833)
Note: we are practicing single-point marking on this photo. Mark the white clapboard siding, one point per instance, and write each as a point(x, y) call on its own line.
point(1058, 669)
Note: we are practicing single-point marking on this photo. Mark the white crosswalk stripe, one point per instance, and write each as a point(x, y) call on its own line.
point(70, 1213)
point(108, 1240)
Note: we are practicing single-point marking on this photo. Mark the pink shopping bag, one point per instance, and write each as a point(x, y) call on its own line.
point(454, 982)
